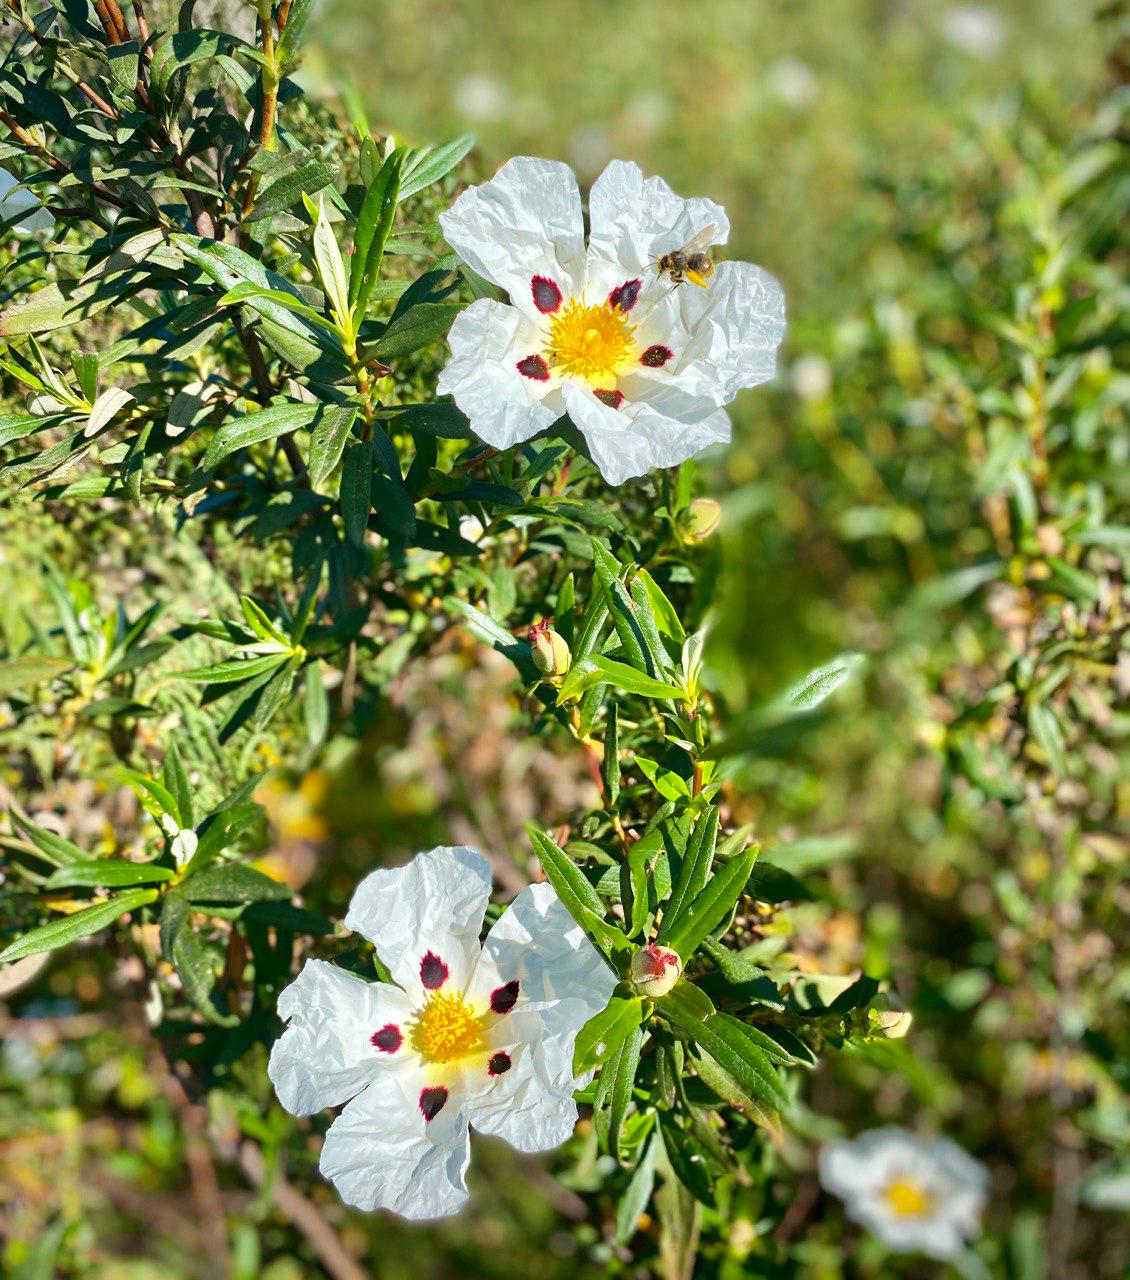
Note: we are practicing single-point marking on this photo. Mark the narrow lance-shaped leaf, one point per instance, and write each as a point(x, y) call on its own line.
point(693, 873)
point(60, 933)
point(107, 873)
point(373, 225)
point(710, 905)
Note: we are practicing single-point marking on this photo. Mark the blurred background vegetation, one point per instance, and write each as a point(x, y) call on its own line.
point(937, 479)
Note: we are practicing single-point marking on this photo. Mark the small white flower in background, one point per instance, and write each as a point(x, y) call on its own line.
point(13, 202)
point(642, 368)
point(470, 1036)
point(793, 82)
point(915, 1194)
point(975, 29)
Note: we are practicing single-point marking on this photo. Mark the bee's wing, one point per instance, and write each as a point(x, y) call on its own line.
point(703, 240)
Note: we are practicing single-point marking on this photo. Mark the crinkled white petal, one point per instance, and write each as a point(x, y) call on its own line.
point(525, 221)
point(637, 438)
point(563, 982)
point(487, 340)
point(381, 1153)
point(634, 221)
point(434, 904)
point(13, 202)
point(326, 1055)
point(735, 326)
point(531, 1105)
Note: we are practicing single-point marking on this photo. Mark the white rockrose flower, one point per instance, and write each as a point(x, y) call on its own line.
point(471, 1035)
point(22, 201)
point(641, 365)
point(915, 1194)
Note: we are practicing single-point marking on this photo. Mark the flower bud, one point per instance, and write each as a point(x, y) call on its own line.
point(655, 970)
point(550, 652)
point(702, 519)
point(891, 1024)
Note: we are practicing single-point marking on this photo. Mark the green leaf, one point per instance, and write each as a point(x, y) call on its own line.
point(710, 905)
point(729, 1090)
point(637, 648)
point(577, 896)
point(749, 980)
point(374, 222)
point(636, 1195)
point(31, 669)
point(331, 266)
point(232, 882)
point(820, 684)
point(691, 1163)
point(589, 672)
point(484, 628)
point(665, 616)
point(176, 783)
point(356, 481)
point(307, 180)
point(60, 933)
point(610, 764)
point(417, 328)
point(328, 438)
point(234, 670)
point(197, 972)
point(732, 1050)
point(694, 872)
point(602, 1035)
point(428, 167)
point(107, 873)
point(770, 883)
point(622, 1069)
point(229, 266)
point(54, 848)
point(254, 428)
point(290, 41)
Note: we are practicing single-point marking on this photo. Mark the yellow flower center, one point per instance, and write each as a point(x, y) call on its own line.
point(593, 343)
point(907, 1199)
point(447, 1029)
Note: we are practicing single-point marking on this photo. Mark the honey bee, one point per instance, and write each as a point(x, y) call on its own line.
point(691, 262)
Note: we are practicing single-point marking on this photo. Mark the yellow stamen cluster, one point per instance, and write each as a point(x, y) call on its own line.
point(590, 342)
point(446, 1030)
point(908, 1199)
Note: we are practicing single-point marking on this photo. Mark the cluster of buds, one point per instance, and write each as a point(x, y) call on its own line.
point(549, 651)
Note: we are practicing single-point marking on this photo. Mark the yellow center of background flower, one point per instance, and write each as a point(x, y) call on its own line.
point(907, 1199)
point(593, 343)
point(446, 1030)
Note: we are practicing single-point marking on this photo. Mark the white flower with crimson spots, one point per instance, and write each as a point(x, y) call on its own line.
point(642, 367)
point(470, 1036)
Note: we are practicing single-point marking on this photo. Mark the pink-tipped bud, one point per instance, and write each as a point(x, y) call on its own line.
point(701, 520)
point(549, 651)
point(655, 970)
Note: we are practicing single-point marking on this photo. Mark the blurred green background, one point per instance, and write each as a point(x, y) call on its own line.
point(934, 479)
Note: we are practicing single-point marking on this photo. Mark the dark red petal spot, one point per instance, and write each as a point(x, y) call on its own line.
point(624, 295)
point(534, 367)
point(503, 999)
point(499, 1064)
point(432, 1100)
point(656, 357)
point(433, 972)
point(547, 296)
point(613, 399)
point(388, 1039)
